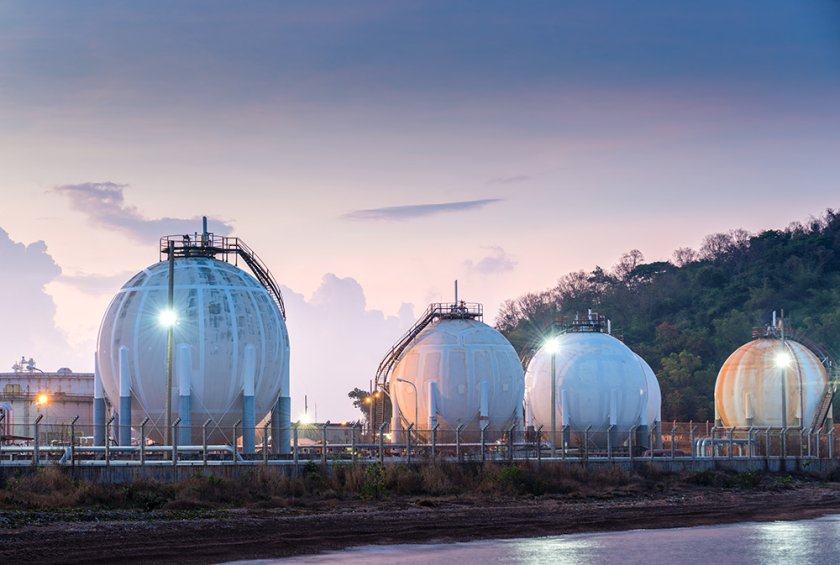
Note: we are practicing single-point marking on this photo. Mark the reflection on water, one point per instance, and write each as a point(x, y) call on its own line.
point(814, 542)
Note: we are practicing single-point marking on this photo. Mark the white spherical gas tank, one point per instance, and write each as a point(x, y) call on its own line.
point(221, 312)
point(599, 382)
point(764, 375)
point(449, 367)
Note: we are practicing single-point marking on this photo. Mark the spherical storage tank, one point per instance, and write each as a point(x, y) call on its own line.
point(458, 371)
point(227, 325)
point(599, 382)
point(770, 382)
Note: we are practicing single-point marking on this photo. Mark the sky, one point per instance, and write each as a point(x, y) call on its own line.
point(373, 152)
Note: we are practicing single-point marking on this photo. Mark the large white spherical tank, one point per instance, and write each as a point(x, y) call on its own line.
point(221, 310)
point(447, 363)
point(765, 374)
point(599, 382)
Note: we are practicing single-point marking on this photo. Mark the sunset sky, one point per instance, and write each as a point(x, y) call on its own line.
point(373, 152)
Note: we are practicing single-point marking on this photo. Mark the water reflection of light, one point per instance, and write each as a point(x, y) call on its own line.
point(571, 550)
point(784, 542)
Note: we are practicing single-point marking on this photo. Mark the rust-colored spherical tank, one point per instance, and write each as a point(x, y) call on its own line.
point(770, 382)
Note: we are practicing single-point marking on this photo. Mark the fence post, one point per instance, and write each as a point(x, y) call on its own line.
point(750, 442)
point(483, 427)
point(434, 441)
point(142, 445)
point(458, 442)
point(235, 427)
point(817, 441)
point(584, 454)
point(36, 447)
point(714, 430)
point(651, 442)
point(630, 441)
point(691, 439)
point(730, 446)
point(783, 443)
point(2, 427)
point(265, 441)
point(108, 441)
point(673, 439)
point(204, 441)
point(511, 431)
point(537, 434)
point(73, 441)
point(609, 443)
point(295, 455)
point(175, 425)
point(382, 442)
point(408, 443)
point(324, 444)
point(564, 445)
point(831, 442)
point(353, 443)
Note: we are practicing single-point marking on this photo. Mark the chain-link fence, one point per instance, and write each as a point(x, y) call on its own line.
point(38, 442)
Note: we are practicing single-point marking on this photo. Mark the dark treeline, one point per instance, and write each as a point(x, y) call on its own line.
point(687, 315)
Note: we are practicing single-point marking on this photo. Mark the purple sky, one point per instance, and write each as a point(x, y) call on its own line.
point(372, 152)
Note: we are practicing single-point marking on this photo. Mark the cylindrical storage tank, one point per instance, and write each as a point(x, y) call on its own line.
point(599, 382)
point(221, 311)
point(770, 382)
point(459, 371)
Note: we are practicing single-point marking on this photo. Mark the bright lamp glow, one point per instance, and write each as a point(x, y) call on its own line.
point(304, 418)
point(168, 318)
point(783, 359)
point(43, 399)
point(552, 344)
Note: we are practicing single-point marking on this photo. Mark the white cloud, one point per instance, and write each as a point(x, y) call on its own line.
point(498, 261)
point(337, 344)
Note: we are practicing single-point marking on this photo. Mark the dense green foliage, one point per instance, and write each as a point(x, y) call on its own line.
point(686, 316)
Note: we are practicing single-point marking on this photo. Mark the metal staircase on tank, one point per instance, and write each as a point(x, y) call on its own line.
point(437, 311)
point(825, 406)
point(216, 246)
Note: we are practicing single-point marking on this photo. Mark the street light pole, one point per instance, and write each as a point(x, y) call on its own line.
point(169, 338)
point(553, 399)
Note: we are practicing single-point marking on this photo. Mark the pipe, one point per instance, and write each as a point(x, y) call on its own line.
point(484, 404)
point(98, 405)
point(183, 368)
point(125, 398)
point(167, 416)
point(433, 408)
point(249, 422)
point(284, 416)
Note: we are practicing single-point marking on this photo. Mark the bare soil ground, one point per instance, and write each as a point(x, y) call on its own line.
point(91, 536)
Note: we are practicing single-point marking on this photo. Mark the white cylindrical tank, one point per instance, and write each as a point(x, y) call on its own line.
point(599, 382)
point(454, 369)
point(221, 310)
point(765, 375)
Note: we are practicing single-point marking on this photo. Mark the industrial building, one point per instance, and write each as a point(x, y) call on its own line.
point(28, 392)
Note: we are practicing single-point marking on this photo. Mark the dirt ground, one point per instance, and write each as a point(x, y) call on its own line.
point(137, 537)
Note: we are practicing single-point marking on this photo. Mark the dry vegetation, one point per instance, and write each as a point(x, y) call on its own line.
point(55, 488)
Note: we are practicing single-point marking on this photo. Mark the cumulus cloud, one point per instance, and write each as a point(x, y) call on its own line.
point(28, 312)
point(509, 180)
point(337, 344)
point(104, 203)
point(418, 210)
point(497, 261)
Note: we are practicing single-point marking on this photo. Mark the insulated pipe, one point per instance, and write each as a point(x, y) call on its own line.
point(125, 399)
point(565, 417)
point(484, 412)
point(642, 432)
point(284, 415)
point(433, 408)
point(98, 405)
point(183, 368)
point(249, 422)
